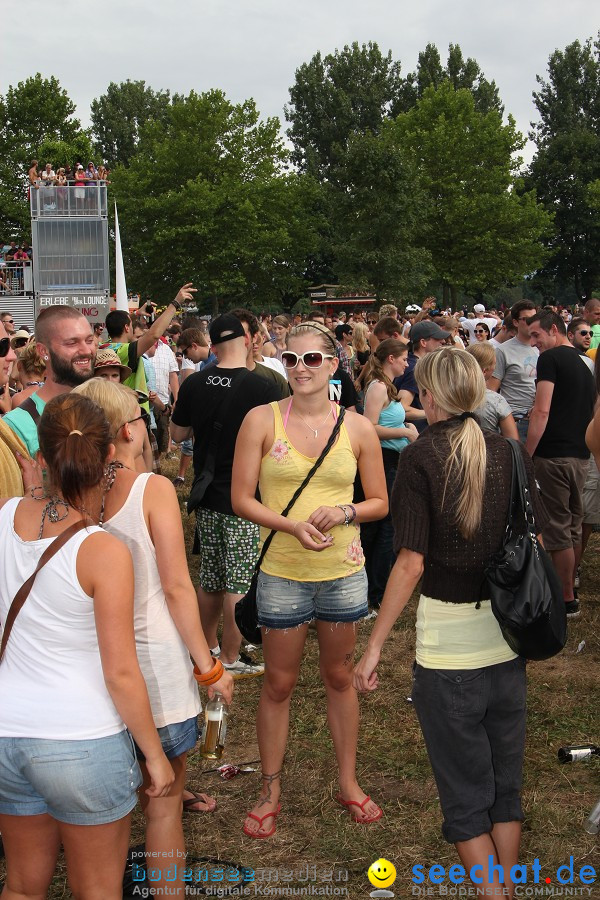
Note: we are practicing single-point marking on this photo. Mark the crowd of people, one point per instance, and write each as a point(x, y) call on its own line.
point(387, 430)
point(79, 174)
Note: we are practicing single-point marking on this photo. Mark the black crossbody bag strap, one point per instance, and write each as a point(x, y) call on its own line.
point(298, 491)
point(208, 470)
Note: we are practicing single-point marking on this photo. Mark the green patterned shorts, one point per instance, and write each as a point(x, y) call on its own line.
point(228, 551)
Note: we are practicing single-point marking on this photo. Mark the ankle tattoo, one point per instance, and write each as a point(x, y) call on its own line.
point(267, 783)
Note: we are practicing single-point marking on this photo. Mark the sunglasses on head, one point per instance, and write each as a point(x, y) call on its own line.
point(312, 359)
point(4, 347)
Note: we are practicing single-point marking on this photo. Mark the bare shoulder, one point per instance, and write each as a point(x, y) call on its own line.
point(260, 416)
point(358, 426)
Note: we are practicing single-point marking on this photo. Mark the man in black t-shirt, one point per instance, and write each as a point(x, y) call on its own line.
point(562, 411)
point(228, 544)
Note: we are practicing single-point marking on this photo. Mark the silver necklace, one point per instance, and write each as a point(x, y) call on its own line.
point(315, 431)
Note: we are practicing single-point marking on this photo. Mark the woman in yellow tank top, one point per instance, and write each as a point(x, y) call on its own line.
point(314, 568)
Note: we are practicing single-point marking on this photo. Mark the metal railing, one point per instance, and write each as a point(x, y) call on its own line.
point(58, 201)
point(16, 278)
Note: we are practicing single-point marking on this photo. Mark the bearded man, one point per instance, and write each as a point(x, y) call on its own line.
point(65, 342)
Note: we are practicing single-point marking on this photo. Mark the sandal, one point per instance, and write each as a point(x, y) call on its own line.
point(260, 820)
point(190, 803)
point(178, 481)
point(366, 819)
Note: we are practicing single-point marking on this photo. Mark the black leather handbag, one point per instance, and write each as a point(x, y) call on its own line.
point(246, 612)
point(526, 593)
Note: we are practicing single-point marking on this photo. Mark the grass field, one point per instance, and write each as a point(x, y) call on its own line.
point(313, 831)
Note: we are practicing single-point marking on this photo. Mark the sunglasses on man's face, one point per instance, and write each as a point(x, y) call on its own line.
point(371, 321)
point(583, 333)
point(10, 321)
point(4, 347)
point(312, 359)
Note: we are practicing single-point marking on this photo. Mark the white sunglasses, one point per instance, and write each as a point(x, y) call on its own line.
point(312, 359)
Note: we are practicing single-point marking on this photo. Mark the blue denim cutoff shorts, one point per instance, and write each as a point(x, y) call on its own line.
point(90, 782)
point(286, 604)
point(175, 739)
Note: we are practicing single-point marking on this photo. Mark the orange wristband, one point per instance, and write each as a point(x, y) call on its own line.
point(211, 676)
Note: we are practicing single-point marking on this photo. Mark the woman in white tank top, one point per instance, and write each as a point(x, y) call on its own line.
point(142, 510)
point(69, 678)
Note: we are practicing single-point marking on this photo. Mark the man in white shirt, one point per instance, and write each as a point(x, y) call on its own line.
point(166, 372)
point(469, 324)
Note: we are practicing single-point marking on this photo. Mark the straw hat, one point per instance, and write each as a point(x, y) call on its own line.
point(108, 357)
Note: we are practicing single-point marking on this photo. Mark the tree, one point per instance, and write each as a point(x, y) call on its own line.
point(118, 115)
point(206, 198)
point(481, 231)
point(379, 210)
point(460, 72)
point(567, 164)
point(36, 122)
point(335, 96)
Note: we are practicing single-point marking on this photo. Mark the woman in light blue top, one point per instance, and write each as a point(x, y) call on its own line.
point(387, 414)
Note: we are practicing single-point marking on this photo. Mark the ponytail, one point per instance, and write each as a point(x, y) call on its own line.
point(74, 441)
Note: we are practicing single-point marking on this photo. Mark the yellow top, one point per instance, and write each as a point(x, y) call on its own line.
point(282, 470)
point(11, 482)
point(459, 636)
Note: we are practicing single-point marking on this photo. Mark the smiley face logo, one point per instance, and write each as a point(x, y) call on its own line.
point(381, 873)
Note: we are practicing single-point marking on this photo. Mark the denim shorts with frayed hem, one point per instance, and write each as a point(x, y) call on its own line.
point(91, 782)
point(176, 739)
point(473, 722)
point(286, 604)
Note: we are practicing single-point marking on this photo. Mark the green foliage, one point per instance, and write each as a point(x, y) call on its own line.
point(119, 114)
point(566, 167)
point(36, 122)
point(335, 96)
point(460, 72)
point(481, 231)
point(379, 210)
point(206, 198)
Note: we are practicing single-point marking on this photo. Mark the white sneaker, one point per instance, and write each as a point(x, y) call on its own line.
point(215, 651)
point(242, 669)
point(372, 614)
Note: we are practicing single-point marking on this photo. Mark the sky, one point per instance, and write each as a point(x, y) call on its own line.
point(253, 48)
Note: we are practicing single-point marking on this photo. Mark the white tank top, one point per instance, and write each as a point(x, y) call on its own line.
point(162, 654)
point(51, 680)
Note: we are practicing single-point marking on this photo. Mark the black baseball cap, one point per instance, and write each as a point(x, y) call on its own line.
point(225, 328)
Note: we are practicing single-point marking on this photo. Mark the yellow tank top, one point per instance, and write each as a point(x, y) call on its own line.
point(282, 470)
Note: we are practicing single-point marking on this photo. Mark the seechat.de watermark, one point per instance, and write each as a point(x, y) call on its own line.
point(529, 880)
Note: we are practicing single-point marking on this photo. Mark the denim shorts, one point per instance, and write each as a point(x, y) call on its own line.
point(90, 782)
point(175, 739)
point(286, 604)
point(473, 722)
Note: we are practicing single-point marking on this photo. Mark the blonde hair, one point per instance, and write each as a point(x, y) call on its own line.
point(325, 336)
point(360, 337)
point(282, 321)
point(388, 309)
point(373, 370)
point(483, 353)
point(118, 403)
point(30, 360)
point(456, 384)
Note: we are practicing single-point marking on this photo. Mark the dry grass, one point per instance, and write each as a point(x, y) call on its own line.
point(393, 767)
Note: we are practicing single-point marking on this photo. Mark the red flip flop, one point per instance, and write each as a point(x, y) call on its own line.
point(260, 820)
point(365, 820)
